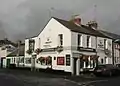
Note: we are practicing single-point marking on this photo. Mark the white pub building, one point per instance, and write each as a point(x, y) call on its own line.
point(68, 46)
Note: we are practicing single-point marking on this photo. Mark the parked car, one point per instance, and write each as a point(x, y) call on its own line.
point(107, 69)
point(118, 66)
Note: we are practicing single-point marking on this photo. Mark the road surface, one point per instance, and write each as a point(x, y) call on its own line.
point(27, 78)
point(113, 81)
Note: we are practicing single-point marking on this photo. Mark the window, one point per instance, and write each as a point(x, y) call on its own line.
point(105, 43)
point(61, 39)
point(31, 44)
point(60, 60)
point(102, 61)
point(14, 59)
point(68, 60)
point(44, 60)
point(22, 60)
point(88, 41)
point(28, 60)
point(54, 58)
point(79, 40)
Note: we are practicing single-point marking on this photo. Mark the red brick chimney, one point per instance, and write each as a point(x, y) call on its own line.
point(77, 20)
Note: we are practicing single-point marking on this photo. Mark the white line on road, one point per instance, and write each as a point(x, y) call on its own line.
point(85, 83)
point(89, 82)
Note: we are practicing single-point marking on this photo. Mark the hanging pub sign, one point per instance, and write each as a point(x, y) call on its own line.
point(60, 60)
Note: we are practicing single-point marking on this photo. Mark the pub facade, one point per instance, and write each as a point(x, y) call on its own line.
point(68, 46)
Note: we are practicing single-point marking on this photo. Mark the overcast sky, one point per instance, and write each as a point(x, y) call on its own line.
point(23, 18)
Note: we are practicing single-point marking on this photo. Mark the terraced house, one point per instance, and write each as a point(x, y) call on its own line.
point(68, 46)
point(6, 47)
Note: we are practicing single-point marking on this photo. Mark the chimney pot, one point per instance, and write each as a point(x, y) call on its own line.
point(77, 20)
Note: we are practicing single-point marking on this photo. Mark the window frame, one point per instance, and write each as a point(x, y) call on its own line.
point(31, 44)
point(58, 60)
point(60, 39)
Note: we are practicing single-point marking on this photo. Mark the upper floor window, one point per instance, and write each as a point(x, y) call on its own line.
point(31, 44)
point(60, 39)
point(79, 40)
point(88, 41)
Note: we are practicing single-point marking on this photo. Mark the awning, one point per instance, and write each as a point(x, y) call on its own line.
point(88, 53)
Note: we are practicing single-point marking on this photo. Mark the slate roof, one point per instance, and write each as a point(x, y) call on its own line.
point(111, 35)
point(81, 29)
point(75, 28)
point(6, 41)
point(21, 51)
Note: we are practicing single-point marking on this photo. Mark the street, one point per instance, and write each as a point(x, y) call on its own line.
point(27, 78)
point(113, 81)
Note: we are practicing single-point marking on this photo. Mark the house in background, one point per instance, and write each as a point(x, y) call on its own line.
point(115, 45)
point(68, 46)
point(16, 57)
point(6, 47)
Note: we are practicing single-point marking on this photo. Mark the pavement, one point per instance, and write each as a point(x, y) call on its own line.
point(18, 77)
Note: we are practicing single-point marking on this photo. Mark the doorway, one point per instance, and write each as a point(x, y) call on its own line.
point(8, 63)
point(74, 65)
point(1, 64)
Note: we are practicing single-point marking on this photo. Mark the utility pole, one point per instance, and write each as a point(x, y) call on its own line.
point(95, 13)
point(50, 12)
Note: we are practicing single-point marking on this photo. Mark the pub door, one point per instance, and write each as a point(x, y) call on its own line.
point(74, 65)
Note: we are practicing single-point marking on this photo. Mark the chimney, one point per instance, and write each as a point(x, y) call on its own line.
point(93, 24)
point(76, 20)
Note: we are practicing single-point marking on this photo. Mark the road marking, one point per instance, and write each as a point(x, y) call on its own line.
point(89, 82)
point(85, 83)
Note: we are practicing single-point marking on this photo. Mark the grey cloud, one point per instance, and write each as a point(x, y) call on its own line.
point(24, 18)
